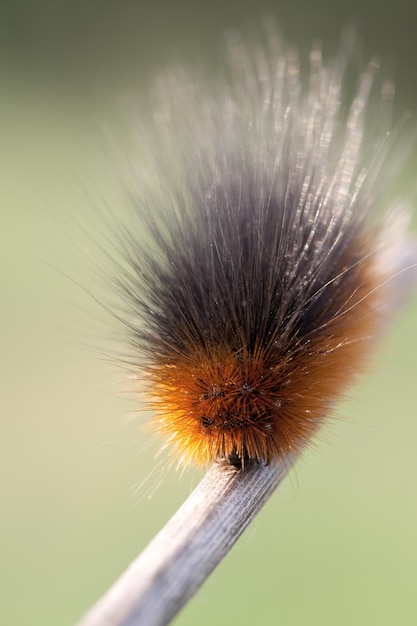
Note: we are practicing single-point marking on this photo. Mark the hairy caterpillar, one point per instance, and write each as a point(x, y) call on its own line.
point(266, 274)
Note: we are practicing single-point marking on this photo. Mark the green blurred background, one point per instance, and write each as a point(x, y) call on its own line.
point(337, 543)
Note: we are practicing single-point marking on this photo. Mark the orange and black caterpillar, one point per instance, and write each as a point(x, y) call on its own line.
point(263, 278)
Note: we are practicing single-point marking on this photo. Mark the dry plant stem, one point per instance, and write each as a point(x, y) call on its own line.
point(184, 553)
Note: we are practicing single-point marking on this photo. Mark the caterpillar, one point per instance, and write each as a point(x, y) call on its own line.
point(263, 262)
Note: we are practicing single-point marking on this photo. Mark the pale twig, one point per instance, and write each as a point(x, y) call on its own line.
point(184, 553)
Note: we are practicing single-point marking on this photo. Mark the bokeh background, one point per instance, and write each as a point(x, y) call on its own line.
point(337, 544)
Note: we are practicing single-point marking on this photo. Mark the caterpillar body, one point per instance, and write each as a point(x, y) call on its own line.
point(267, 273)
